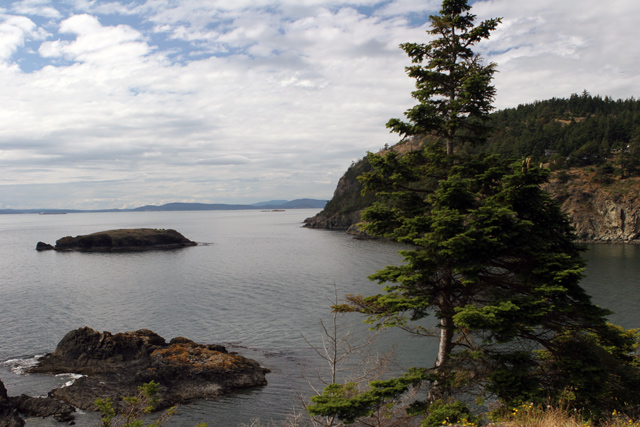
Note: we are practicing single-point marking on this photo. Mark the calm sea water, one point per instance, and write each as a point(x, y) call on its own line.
point(261, 283)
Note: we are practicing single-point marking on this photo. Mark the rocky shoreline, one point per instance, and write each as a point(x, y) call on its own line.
point(600, 212)
point(11, 408)
point(115, 365)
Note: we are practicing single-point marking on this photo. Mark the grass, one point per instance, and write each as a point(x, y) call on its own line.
point(536, 416)
point(199, 356)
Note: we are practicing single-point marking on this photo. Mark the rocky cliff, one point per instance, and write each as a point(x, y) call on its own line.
point(12, 407)
point(602, 209)
point(9, 416)
point(342, 212)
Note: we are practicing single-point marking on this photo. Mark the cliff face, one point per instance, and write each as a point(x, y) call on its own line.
point(342, 212)
point(604, 211)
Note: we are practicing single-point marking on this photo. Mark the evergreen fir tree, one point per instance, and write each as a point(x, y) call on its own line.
point(453, 86)
point(492, 258)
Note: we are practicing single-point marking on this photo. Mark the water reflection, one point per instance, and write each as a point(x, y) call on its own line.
point(613, 280)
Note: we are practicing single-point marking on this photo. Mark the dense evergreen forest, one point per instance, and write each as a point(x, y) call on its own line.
point(579, 131)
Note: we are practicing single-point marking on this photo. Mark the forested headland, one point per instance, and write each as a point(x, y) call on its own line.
point(590, 143)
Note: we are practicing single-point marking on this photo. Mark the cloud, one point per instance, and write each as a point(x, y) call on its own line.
point(96, 43)
point(118, 99)
point(546, 48)
point(35, 8)
point(405, 7)
point(150, 101)
point(14, 31)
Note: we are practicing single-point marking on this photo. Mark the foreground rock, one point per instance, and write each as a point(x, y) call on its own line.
point(137, 239)
point(43, 407)
point(8, 413)
point(116, 364)
point(12, 407)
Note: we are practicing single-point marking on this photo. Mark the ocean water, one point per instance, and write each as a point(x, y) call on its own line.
point(260, 283)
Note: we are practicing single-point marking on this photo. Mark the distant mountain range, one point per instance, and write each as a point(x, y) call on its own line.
point(272, 204)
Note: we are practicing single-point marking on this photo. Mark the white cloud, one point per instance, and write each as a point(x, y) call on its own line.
point(14, 31)
point(35, 8)
point(216, 101)
point(96, 43)
point(548, 48)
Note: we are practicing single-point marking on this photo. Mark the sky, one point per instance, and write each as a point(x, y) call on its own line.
point(123, 103)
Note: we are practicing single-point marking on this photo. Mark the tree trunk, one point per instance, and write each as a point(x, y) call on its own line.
point(439, 389)
point(446, 342)
point(449, 147)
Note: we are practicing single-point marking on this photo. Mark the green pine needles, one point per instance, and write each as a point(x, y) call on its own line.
point(494, 261)
point(133, 411)
point(453, 86)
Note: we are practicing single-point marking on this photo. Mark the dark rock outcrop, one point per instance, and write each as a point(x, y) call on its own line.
point(8, 413)
point(115, 365)
point(41, 246)
point(138, 239)
point(342, 212)
point(44, 407)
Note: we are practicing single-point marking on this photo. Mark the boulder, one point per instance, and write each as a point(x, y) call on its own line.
point(115, 365)
point(44, 407)
point(41, 246)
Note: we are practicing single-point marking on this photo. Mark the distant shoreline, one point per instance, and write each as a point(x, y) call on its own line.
point(169, 207)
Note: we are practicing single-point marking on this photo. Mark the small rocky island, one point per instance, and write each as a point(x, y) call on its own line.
point(115, 365)
point(137, 239)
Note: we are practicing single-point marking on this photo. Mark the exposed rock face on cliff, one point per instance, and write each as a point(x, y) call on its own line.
point(342, 212)
point(115, 365)
point(601, 212)
point(121, 240)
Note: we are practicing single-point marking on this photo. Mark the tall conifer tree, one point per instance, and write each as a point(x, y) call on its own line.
point(453, 86)
point(492, 258)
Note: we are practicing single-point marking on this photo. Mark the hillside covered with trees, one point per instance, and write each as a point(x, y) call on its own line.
point(596, 139)
point(577, 131)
